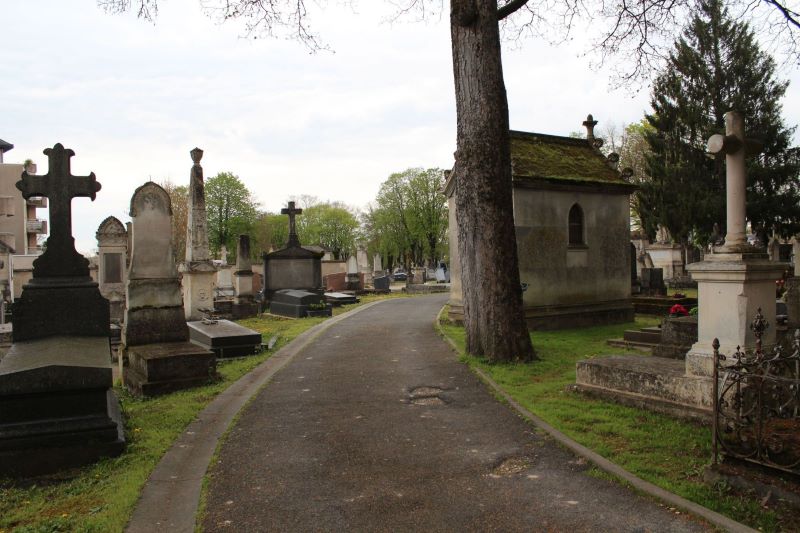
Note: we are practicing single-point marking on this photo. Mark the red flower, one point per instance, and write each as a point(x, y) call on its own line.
point(678, 310)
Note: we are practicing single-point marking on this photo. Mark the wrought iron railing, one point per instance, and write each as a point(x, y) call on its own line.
point(757, 403)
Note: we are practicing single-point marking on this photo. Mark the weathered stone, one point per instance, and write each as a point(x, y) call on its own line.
point(198, 270)
point(298, 304)
point(155, 334)
point(225, 338)
point(678, 334)
point(57, 408)
point(112, 252)
point(381, 283)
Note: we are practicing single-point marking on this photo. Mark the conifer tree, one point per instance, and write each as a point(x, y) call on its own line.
point(716, 66)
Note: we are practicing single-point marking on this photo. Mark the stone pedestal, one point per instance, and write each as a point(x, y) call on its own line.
point(792, 299)
point(165, 367)
point(198, 288)
point(732, 286)
point(57, 409)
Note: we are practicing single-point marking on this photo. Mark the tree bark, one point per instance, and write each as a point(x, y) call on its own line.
point(492, 295)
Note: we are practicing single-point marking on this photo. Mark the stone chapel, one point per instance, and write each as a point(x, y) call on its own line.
point(572, 220)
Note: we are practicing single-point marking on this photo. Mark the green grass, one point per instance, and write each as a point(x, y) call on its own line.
point(667, 452)
point(101, 497)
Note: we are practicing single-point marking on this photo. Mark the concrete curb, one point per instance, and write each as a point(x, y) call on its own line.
point(170, 498)
point(601, 462)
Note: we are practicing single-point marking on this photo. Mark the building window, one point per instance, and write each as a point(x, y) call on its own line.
point(576, 226)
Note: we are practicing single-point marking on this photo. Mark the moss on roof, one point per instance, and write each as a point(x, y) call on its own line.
point(535, 155)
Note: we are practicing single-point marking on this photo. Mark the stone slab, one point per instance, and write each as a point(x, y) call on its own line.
point(225, 338)
point(340, 298)
point(56, 363)
point(654, 382)
point(155, 369)
point(642, 336)
point(60, 310)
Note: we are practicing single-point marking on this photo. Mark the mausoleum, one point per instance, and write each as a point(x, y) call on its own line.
point(572, 220)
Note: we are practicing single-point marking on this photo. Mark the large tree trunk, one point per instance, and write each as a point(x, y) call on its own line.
point(492, 294)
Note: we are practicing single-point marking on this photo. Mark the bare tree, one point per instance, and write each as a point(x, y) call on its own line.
point(637, 29)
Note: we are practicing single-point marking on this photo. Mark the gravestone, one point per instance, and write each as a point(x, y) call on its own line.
point(382, 283)
point(354, 278)
point(335, 282)
point(155, 336)
point(377, 266)
point(57, 406)
point(293, 267)
point(340, 298)
point(198, 269)
point(244, 303)
point(738, 279)
point(112, 246)
point(298, 304)
point(653, 282)
point(225, 338)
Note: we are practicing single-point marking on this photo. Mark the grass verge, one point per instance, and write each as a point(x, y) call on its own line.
point(101, 497)
point(664, 451)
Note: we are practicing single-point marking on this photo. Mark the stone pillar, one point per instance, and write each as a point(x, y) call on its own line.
point(243, 275)
point(198, 270)
point(456, 301)
point(737, 279)
point(112, 251)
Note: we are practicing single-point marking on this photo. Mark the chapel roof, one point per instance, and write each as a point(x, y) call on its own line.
point(553, 157)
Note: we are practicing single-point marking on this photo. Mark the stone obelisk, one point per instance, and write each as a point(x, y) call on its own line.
point(198, 269)
point(738, 278)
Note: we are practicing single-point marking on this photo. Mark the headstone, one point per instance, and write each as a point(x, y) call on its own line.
point(737, 279)
point(335, 282)
point(377, 266)
point(774, 249)
point(57, 405)
point(361, 260)
point(244, 303)
point(636, 285)
point(293, 267)
point(382, 283)
point(653, 282)
point(155, 336)
point(225, 338)
point(112, 246)
point(354, 278)
point(198, 270)
point(442, 273)
point(298, 304)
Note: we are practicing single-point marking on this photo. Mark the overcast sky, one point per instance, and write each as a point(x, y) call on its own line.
point(132, 99)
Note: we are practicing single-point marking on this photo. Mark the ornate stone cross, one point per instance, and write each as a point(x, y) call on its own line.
point(735, 147)
point(294, 240)
point(60, 186)
point(589, 124)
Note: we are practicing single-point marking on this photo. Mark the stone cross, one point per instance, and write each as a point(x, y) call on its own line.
point(60, 186)
point(294, 240)
point(735, 146)
point(589, 124)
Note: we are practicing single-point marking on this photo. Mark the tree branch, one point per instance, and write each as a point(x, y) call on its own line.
point(509, 8)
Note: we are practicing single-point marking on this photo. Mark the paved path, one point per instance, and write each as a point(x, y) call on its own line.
point(375, 426)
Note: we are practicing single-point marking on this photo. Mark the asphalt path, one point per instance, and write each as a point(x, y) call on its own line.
point(376, 426)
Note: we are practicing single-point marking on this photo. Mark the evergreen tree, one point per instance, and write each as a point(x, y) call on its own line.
point(717, 66)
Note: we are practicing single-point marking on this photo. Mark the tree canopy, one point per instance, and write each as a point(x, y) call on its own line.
point(716, 66)
point(231, 210)
point(408, 222)
point(331, 225)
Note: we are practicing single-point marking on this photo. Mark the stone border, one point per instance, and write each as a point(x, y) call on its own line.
point(601, 462)
point(170, 498)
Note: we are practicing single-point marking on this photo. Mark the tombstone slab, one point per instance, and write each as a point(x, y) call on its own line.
point(340, 298)
point(57, 406)
point(298, 304)
point(381, 283)
point(225, 338)
point(155, 336)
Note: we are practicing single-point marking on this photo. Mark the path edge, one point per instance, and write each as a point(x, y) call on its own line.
point(598, 460)
point(181, 477)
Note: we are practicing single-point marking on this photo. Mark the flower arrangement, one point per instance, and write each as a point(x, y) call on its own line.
point(678, 310)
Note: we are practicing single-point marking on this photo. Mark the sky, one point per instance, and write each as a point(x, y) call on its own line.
point(132, 99)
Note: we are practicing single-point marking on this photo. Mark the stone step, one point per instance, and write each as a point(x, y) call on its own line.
point(638, 335)
point(650, 382)
point(622, 343)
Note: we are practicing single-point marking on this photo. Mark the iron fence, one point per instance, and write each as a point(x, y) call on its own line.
point(757, 403)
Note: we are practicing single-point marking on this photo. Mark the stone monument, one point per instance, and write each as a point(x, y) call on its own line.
point(112, 246)
point(198, 270)
point(292, 267)
point(244, 303)
point(738, 278)
point(57, 406)
point(155, 335)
